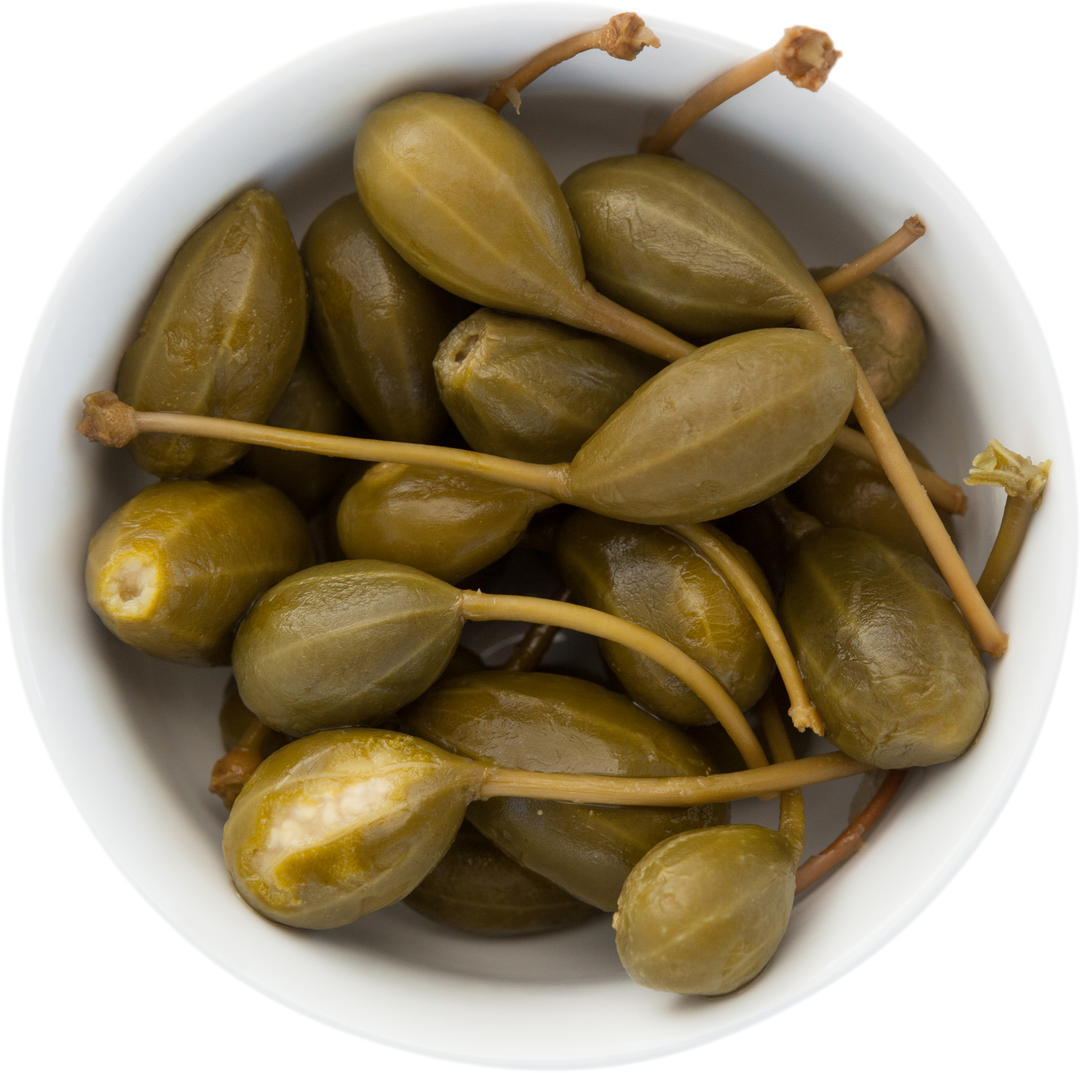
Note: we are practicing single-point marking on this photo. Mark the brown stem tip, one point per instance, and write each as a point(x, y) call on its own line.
point(232, 771)
point(107, 420)
point(625, 35)
point(805, 57)
point(1018, 475)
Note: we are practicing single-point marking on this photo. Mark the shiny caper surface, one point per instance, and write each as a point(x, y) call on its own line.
point(477, 888)
point(174, 568)
point(887, 658)
point(310, 403)
point(222, 336)
point(719, 430)
point(547, 722)
point(684, 248)
point(532, 389)
point(846, 492)
point(468, 201)
point(703, 912)
point(344, 644)
point(885, 331)
point(447, 524)
point(377, 323)
point(653, 578)
point(339, 824)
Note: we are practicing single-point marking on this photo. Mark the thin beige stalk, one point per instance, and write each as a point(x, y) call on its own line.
point(874, 259)
point(481, 607)
point(943, 494)
point(714, 545)
point(622, 36)
point(109, 421)
point(530, 650)
point(675, 792)
point(802, 55)
point(595, 313)
point(792, 827)
point(1024, 482)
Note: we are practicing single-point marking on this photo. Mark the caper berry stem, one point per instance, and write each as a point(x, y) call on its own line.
point(912, 229)
point(714, 546)
point(530, 650)
point(674, 792)
point(230, 774)
point(943, 494)
point(596, 313)
point(988, 635)
point(482, 606)
point(850, 841)
point(622, 36)
point(792, 828)
point(804, 56)
point(1024, 483)
point(113, 423)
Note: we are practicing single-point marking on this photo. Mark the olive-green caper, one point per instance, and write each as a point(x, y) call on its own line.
point(885, 332)
point(684, 248)
point(719, 430)
point(377, 323)
point(339, 824)
point(533, 389)
point(703, 912)
point(447, 524)
point(845, 492)
point(547, 722)
point(344, 644)
point(309, 403)
point(477, 888)
point(174, 568)
point(650, 576)
point(222, 336)
point(888, 660)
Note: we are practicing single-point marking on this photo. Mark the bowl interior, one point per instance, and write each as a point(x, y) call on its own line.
point(134, 738)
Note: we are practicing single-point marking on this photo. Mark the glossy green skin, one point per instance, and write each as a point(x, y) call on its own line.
point(719, 430)
point(887, 658)
point(173, 569)
point(653, 578)
point(845, 492)
point(234, 719)
point(704, 912)
point(337, 825)
point(478, 889)
point(684, 249)
point(886, 332)
point(549, 722)
point(309, 403)
point(377, 323)
point(222, 336)
point(531, 389)
point(467, 200)
point(447, 524)
point(344, 644)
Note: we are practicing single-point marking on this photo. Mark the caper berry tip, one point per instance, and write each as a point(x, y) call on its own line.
point(107, 420)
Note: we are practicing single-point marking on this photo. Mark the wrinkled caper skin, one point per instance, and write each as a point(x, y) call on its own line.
point(549, 722)
point(344, 644)
point(447, 524)
point(173, 569)
point(703, 912)
point(532, 389)
point(311, 404)
point(235, 718)
point(684, 249)
point(723, 428)
point(339, 824)
point(222, 336)
point(468, 201)
point(845, 492)
point(653, 578)
point(377, 323)
point(885, 331)
point(888, 659)
point(478, 889)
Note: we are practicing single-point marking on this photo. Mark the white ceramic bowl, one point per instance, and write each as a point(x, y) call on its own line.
point(134, 738)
